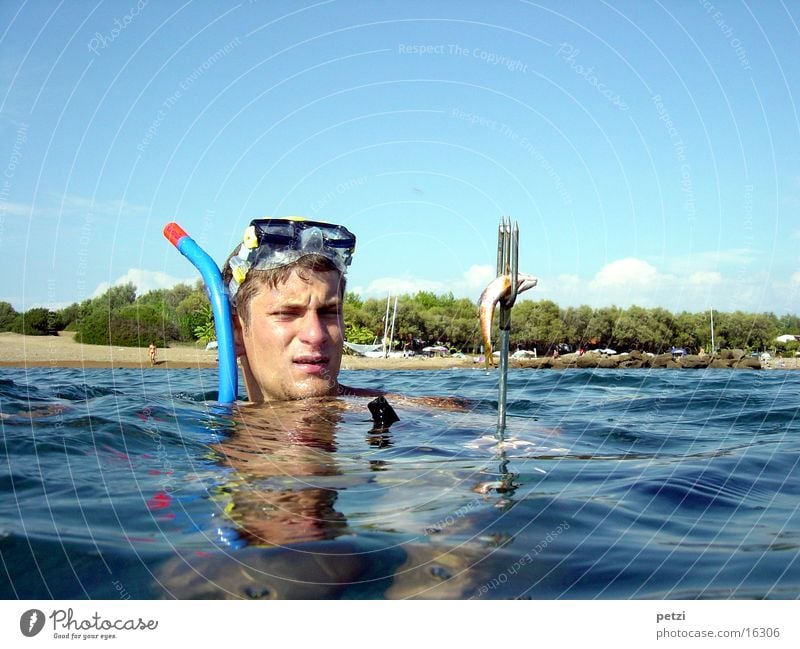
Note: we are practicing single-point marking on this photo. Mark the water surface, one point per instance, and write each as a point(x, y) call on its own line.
point(608, 484)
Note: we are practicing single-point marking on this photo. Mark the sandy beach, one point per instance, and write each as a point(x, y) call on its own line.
point(17, 350)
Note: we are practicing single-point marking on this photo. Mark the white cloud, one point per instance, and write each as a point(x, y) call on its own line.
point(570, 282)
point(112, 207)
point(705, 278)
point(625, 273)
point(476, 278)
point(471, 283)
point(400, 285)
point(144, 280)
point(710, 260)
point(624, 282)
point(15, 209)
point(60, 206)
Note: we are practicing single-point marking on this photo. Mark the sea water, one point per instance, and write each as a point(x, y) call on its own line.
point(605, 484)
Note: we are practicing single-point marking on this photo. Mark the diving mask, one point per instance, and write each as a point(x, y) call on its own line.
point(272, 243)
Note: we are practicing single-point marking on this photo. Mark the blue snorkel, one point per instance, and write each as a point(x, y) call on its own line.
point(228, 371)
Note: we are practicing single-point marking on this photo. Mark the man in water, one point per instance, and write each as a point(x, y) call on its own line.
point(286, 283)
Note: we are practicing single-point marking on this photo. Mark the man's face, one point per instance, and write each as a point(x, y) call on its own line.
point(293, 340)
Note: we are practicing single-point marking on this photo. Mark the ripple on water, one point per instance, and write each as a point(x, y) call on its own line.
point(609, 484)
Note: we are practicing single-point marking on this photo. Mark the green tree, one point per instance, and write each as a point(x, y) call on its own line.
point(116, 296)
point(131, 325)
point(204, 329)
point(38, 321)
point(8, 316)
point(789, 324)
point(601, 325)
point(763, 331)
point(408, 323)
point(358, 335)
point(69, 315)
point(631, 329)
point(692, 331)
point(353, 299)
point(741, 330)
point(576, 324)
point(191, 313)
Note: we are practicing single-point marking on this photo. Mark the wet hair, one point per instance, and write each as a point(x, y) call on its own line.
point(272, 278)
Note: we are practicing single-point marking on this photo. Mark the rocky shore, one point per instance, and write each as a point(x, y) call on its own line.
point(735, 359)
point(63, 351)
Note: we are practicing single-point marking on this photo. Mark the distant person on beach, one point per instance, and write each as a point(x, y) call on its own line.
point(152, 349)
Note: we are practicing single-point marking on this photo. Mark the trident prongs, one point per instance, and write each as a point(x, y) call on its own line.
point(507, 264)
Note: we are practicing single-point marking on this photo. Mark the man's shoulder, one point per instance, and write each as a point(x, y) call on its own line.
point(445, 403)
point(345, 391)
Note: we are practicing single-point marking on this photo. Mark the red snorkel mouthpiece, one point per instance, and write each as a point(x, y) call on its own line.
point(174, 233)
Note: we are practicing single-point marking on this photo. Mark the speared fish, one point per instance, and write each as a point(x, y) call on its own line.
point(499, 288)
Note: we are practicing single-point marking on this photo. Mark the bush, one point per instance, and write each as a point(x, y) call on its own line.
point(8, 316)
point(193, 312)
point(37, 322)
point(70, 316)
point(204, 330)
point(358, 334)
point(132, 325)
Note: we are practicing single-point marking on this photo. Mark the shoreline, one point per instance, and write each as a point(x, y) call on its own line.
point(17, 350)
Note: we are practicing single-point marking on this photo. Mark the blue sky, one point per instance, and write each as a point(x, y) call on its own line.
point(648, 150)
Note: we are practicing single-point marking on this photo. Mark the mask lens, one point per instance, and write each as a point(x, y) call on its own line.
point(276, 233)
point(312, 241)
point(339, 237)
point(279, 236)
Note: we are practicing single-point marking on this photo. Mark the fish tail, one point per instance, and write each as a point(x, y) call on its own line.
point(488, 358)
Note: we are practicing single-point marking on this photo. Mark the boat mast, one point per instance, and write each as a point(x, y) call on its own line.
point(712, 330)
point(391, 335)
point(386, 326)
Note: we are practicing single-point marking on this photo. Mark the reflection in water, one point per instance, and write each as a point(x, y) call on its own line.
point(383, 416)
point(281, 460)
point(276, 453)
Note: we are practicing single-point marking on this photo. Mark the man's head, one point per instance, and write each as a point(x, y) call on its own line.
point(288, 316)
